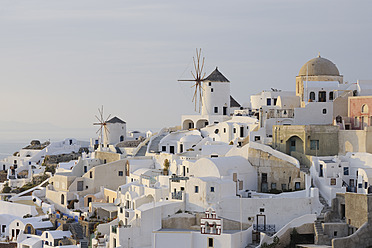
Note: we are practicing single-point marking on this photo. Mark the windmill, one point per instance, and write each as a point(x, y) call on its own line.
point(199, 77)
point(103, 125)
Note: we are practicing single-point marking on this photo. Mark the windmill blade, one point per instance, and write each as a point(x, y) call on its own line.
point(98, 119)
point(107, 129)
point(99, 129)
point(196, 70)
point(195, 94)
point(99, 111)
point(106, 133)
point(201, 70)
point(108, 118)
point(195, 79)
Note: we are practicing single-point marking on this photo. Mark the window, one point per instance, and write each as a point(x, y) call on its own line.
point(333, 181)
point(210, 242)
point(365, 108)
point(322, 97)
point(212, 189)
point(273, 186)
point(209, 84)
point(196, 189)
point(360, 185)
point(90, 174)
point(215, 110)
point(262, 210)
point(312, 96)
point(331, 95)
point(121, 210)
point(297, 185)
point(211, 89)
point(275, 100)
point(268, 101)
point(314, 144)
point(216, 131)
point(46, 235)
point(324, 111)
point(284, 186)
point(365, 185)
point(224, 130)
point(234, 130)
point(346, 171)
point(257, 138)
point(121, 173)
point(163, 148)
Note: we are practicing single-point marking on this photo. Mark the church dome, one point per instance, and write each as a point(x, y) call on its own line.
point(319, 66)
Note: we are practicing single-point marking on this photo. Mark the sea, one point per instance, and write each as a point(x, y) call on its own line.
point(11, 142)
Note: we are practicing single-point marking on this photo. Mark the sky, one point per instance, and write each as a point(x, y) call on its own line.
point(62, 60)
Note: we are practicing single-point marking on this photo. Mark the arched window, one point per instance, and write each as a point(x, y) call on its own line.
point(121, 138)
point(365, 108)
point(312, 96)
point(62, 199)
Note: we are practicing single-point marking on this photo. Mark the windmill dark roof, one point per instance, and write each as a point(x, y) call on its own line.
point(216, 76)
point(234, 103)
point(115, 120)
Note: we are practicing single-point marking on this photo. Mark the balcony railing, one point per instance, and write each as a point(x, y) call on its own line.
point(177, 195)
point(264, 228)
point(280, 113)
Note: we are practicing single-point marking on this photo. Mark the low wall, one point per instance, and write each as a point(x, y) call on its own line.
point(303, 224)
point(17, 209)
point(361, 238)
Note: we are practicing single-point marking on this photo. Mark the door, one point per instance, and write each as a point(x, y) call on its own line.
point(224, 110)
point(171, 149)
point(292, 147)
point(80, 185)
point(264, 185)
point(241, 132)
point(320, 170)
point(89, 200)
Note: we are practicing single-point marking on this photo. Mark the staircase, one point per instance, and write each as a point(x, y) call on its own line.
point(142, 150)
point(77, 230)
point(154, 145)
point(320, 237)
point(84, 244)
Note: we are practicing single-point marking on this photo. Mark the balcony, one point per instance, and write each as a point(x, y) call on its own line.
point(280, 113)
point(264, 228)
point(177, 195)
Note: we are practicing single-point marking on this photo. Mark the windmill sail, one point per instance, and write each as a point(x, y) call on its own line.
point(199, 77)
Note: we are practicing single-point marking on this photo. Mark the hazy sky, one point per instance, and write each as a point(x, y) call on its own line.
point(61, 60)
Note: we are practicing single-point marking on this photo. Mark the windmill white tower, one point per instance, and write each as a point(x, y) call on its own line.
point(216, 94)
point(214, 97)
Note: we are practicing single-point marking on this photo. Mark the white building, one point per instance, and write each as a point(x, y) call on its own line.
point(216, 102)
